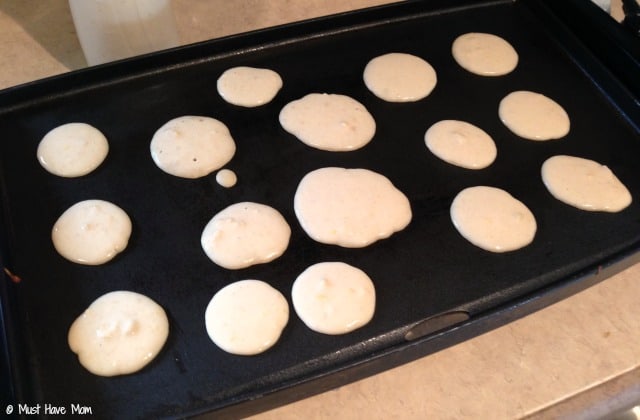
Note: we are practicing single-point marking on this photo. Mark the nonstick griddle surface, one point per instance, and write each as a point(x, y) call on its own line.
point(424, 270)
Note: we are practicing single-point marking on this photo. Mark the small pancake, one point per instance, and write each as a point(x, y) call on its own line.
point(119, 333)
point(492, 219)
point(460, 143)
point(584, 184)
point(91, 232)
point(72, 150)
point(226, 178)
point(246, 317)
point(533, 116)
point(484, 54)
point(248, 86)
point(192, 146)
point(334, 298)
point(331, 122)
point(245, 234)
point(351, 208)
point(399, 77)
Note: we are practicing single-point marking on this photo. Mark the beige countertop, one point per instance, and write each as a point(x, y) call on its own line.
point(579, 358)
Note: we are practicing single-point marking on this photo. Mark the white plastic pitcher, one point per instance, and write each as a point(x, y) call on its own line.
point(113, 29)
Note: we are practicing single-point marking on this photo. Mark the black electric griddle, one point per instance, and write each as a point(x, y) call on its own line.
point(433, 287)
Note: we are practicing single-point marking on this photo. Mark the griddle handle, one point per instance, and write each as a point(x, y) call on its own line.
point(436, 323)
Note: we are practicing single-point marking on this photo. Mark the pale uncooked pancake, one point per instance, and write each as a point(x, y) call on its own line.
point(119, 333)
point(192, 146)
point(461, 143)
point(493, 219)
point(246, 317)
point(334, 297)
point(226, 178)
point(484, 54)
point(249, 86)
point(91, 232)
point(350, 207)
point(73, 149)
point(245, 234)
point(585, 184)
point(533, 116)
point(400, 77)
point(332, 122)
